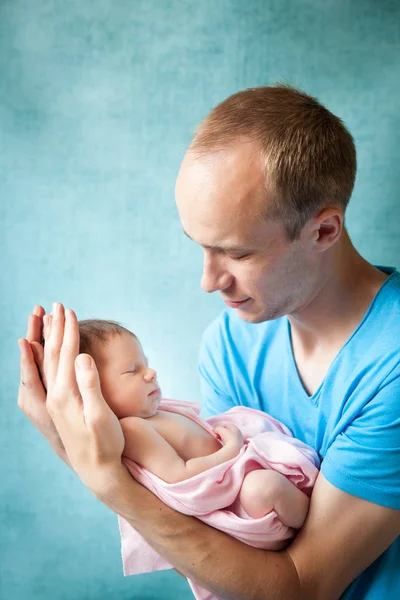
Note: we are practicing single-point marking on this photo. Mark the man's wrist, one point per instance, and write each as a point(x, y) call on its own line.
point(115, 482)
point(141, 508)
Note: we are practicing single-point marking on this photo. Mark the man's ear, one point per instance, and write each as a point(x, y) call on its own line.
point(327, 228)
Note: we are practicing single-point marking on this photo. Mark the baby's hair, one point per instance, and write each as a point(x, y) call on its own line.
point(100, 330)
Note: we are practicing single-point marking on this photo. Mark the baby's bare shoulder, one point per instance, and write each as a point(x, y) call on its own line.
point(136, 424)
point(168, 424)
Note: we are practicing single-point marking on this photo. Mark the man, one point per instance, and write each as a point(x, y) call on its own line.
point(310, 337)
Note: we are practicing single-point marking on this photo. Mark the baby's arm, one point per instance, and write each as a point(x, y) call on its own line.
point(145, 446)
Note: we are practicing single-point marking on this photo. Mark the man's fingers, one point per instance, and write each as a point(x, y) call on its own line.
point(39, 311)
point(54, 333)
point(30, 384)
point(32, 399)
point(88, 380)
point(47, 319)
point(29, 371)
point(101, 424)
point(35, 325)
point(38, 353)
point(66, 377)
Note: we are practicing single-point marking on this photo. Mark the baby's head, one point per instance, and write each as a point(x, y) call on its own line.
point(128, 384)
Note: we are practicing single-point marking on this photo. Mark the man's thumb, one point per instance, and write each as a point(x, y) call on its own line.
point(84, 367)
point(88, 381)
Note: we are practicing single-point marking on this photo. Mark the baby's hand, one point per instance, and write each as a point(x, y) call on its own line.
point(230, 435)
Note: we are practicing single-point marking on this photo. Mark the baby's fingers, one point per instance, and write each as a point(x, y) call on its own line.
point(224, 432)
point(227, 427)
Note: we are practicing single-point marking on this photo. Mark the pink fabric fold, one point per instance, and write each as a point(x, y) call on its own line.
point(211, 496)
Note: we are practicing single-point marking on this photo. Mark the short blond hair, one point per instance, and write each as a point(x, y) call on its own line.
point(308, 154)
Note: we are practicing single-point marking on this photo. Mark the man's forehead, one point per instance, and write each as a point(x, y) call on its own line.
point(228, 184)
point(221, 244)
point(221, 200)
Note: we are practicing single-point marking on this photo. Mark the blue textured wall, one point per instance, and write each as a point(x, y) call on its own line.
point(97, 103)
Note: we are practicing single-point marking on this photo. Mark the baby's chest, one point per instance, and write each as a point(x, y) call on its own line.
point(188, 439)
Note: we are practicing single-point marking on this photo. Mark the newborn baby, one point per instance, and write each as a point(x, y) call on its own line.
point(170, 445)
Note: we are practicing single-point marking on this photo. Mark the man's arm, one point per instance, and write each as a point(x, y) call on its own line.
point(209, 557)
point(341, 537)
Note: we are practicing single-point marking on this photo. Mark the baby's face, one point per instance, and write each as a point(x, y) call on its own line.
point(128, 384)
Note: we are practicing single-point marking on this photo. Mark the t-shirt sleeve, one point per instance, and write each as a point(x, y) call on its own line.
point(212, 368)
point(364, 459)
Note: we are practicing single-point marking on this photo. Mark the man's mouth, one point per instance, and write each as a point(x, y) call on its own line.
point(235, 303)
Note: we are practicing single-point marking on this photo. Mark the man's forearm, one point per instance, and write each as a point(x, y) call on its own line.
point(212, 559)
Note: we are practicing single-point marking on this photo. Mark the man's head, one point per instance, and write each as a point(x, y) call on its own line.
point(128, 384)
point(263, 188)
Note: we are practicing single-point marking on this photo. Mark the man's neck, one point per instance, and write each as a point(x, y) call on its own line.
point(340, 301)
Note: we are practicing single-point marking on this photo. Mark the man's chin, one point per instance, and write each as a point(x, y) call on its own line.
point(257, 316)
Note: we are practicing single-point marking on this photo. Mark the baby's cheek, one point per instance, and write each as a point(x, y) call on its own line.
point(124, 400)
point(113, 399)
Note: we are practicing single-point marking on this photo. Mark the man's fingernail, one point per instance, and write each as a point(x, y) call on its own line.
point(84, 361)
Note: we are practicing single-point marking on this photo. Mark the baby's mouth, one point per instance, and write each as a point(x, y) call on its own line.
point(155, 392)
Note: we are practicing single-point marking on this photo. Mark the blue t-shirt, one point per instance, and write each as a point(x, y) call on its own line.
point(352, 420)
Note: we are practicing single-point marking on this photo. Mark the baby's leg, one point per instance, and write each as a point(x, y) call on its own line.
point(264, 490)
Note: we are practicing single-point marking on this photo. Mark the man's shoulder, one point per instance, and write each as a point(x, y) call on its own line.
point(390, 290)
point(384, 312)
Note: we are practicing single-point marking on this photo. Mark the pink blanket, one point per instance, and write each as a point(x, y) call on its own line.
point(210, 496)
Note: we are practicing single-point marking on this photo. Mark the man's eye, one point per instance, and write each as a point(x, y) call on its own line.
point(241, 257)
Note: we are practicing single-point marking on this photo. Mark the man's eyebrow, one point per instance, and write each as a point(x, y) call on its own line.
point(221, 247)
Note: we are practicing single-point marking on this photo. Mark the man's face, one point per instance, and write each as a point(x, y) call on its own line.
point(246, 258)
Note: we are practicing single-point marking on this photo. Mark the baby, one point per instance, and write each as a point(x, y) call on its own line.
point(170, 445)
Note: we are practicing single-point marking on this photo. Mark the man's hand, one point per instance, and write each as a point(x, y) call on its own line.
point(74, 416)
point(90, 431)
point(32, 393)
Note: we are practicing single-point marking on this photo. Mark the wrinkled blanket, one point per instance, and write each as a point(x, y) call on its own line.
point(211, 496)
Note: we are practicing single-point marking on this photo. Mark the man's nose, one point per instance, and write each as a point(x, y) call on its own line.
point(215, 277)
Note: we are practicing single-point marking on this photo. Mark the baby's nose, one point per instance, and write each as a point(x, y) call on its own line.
point(150, 374)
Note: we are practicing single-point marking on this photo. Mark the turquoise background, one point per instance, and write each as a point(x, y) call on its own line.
point(98, 101)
